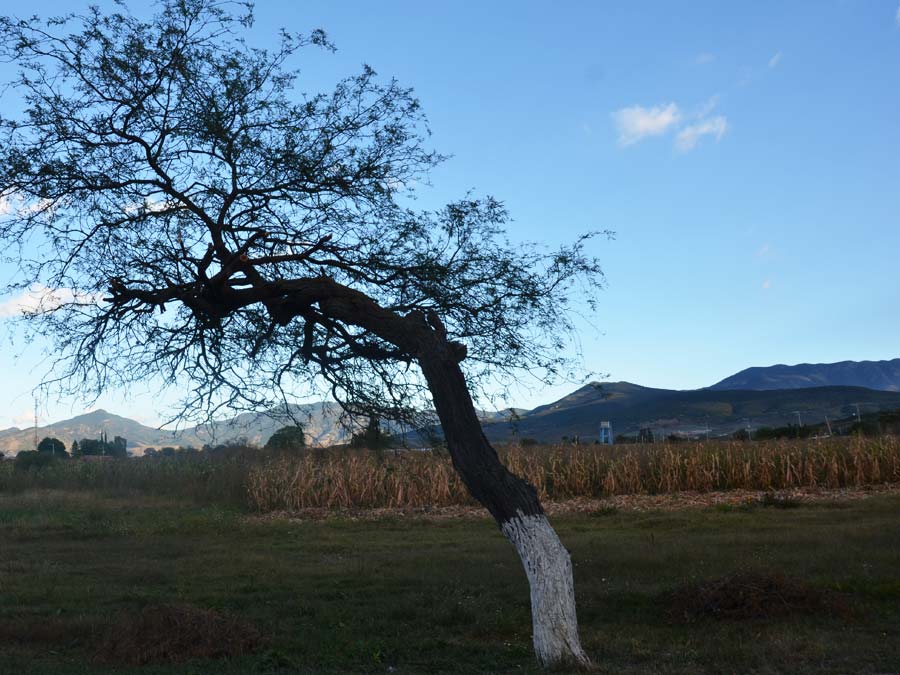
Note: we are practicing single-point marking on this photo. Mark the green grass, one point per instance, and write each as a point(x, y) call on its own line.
point(417, 596)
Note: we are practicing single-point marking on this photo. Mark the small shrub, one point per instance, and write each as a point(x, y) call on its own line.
point(748, 595)
point(175, 634)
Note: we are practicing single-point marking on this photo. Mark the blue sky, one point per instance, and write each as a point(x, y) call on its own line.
point(747, 155)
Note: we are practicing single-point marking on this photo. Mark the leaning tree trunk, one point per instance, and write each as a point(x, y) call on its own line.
point(513, 503)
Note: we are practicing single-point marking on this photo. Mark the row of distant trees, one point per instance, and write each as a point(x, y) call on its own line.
point(287, 438)
point(51, 449)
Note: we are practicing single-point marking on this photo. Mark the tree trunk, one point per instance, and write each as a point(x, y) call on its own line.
point(513, 503)
point(549, 571)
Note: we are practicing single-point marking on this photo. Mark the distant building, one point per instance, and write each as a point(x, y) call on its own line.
point(606, 433)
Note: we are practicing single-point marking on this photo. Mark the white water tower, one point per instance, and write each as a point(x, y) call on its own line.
point(606, 433)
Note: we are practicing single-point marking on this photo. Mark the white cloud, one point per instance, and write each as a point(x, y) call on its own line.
point(690, 135)
point(775, 60)
point(635, 123)
point(149, 205)
point(704, 58)
point(39, 299)
point(15, 203)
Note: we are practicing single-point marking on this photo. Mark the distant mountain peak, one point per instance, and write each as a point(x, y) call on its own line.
point(99, 412)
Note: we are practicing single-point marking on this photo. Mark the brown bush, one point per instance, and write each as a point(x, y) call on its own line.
point(174, 634)
point(47, 630)
point(748, 595)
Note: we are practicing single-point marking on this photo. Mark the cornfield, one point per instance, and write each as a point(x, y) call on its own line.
point(360, 480)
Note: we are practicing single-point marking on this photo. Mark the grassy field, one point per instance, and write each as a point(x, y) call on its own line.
point(413, 595)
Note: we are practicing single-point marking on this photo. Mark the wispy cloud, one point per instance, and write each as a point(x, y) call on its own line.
point(767, 284)
point(775, 60)
point(39, 299)
point(703, 58)
point(636, 123)
point(690, 135)
point(708, 106)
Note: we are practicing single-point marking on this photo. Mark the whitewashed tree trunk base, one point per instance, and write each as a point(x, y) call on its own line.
point(549, 571)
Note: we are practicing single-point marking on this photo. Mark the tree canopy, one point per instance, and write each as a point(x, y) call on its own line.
point(196, 217)
point(193, 216)
point(287, 438)
point(53, 447)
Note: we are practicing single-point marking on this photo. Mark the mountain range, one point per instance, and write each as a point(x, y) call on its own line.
point(321, 424)
point(630, 407)
point(770, 396)
point(881, 375)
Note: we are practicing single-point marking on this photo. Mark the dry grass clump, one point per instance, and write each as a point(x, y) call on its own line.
point(361, 480)
point(175, 634)
point(751, 595)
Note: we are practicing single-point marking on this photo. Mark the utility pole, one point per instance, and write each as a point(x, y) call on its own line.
point(858, 420)
point(828, 424)
point(799, 420)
